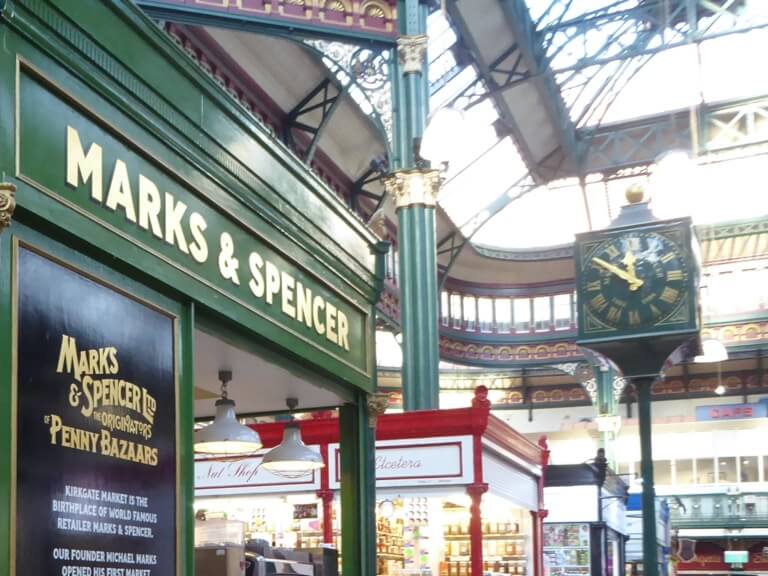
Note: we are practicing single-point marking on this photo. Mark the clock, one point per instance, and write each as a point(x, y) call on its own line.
point(637, 288)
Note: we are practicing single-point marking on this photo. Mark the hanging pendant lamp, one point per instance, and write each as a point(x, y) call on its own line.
point(292, 458)
point(226, 436)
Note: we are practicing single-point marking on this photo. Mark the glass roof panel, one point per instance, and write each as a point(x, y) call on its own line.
point(614, 60)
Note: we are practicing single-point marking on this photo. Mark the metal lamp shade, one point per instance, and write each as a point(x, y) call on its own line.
point(226, 436)
point(292, 458)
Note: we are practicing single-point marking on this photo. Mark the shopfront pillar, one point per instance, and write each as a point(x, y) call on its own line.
point(650, 542)
point(476, 492)
point(325, 494)
point(414, 186)
point(7, 205)
point(358, 489)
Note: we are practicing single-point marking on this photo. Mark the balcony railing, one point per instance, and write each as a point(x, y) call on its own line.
point(749, 510)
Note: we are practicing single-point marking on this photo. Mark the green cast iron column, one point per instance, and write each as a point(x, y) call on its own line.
point(358, 490)
point(650, 545)
point(414, 188)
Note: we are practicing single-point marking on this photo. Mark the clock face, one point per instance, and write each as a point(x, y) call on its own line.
point(635, 280)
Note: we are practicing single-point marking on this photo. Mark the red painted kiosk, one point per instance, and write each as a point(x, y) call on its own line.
point(459, 493)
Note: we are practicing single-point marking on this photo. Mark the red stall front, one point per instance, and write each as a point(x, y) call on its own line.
point(459, 493)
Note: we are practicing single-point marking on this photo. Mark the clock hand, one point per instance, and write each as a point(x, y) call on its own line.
point(629, 261)
point(634, 281)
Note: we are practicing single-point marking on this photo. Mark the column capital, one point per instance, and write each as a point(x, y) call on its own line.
point(7, 204)
point(411, 51)
point(410, 187)
point(377, 404)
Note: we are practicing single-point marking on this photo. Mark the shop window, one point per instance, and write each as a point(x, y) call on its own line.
point(470, 313)
point(684, 472)
point(562, 311)
point(749, 469)
point(705, 471)
point(503, 315)
point(485, 314)
point(542, 313)
point(522, 314)
point(662, 472)
point(444, 308)
point(456, 310)
point(726, 470)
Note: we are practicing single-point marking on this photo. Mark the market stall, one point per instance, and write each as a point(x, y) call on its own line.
point(458, 493)
point(585, 531)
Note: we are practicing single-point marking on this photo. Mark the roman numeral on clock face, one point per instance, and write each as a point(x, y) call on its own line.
point(593, 286)
point(674, 275)
point(614, 314)
point(669, 295)
point(612, 251)
point(667, 257)
point(598, 302)
point(634, 318)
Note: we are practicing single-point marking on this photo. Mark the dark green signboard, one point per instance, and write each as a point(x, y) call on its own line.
point(92, 166)
point(96, 428)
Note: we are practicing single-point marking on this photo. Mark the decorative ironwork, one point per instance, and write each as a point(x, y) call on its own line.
point(365, 73)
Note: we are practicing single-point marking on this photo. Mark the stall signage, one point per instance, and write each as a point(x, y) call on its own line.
point(413, 462)
point(731, 411)
point(96, 428)
point(214, 477)
point(86, 165)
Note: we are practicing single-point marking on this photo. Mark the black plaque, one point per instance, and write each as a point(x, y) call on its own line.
point(96, 432)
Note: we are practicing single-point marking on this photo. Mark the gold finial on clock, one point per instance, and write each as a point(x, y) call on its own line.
point(635, 193)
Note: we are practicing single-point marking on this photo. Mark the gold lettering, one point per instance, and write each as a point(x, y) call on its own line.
point(317, 306)
point(330, 321)
point(86, 165)
point(174, 233)
point(287, 295)
point(119, 193)
point(667, 257)
point(593, 286)
point(343, 330)
point(199, 248)
point(68, 358)
point(614, 314)
point(273, 281)
point(54, 428)
point(150, 206)
point(304, 304)
point(256, 284)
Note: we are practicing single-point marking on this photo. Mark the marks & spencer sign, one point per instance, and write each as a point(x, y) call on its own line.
point(96, 428)
point(84, 163)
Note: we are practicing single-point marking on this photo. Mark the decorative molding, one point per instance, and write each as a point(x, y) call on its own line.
point(506, 354)
point(413, 187)
point(377, 404)
point(7, 204)
point(411, 51)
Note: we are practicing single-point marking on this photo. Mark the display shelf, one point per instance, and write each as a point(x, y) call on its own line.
point(520, 537)
point(566, 548)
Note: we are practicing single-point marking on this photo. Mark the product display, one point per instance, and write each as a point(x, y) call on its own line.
point(566, 549)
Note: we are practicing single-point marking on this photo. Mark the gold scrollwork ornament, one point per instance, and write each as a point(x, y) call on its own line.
point(7, 204)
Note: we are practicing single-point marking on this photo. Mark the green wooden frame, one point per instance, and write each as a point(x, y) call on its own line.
point(114, 66)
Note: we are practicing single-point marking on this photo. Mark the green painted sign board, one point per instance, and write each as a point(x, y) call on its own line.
point(88, 164)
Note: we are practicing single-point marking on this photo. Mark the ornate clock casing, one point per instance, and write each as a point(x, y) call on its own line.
point(637, 284)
